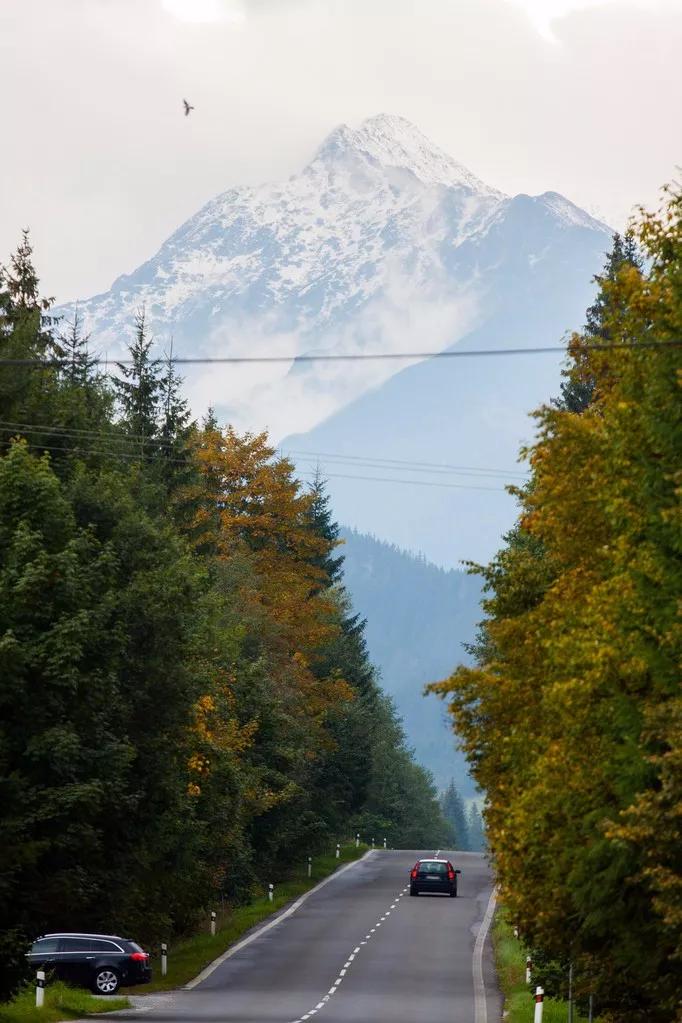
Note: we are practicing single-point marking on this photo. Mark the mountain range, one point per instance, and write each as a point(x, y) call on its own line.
point(382, 243)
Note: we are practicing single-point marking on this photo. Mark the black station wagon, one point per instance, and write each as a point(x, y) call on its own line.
point(102, 962)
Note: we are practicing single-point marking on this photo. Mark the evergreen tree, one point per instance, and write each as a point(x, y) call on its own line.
point(455, 814)
point(322, 523)
point(24, 314)
point(78, 367)
point(176, 466)
point(140, 390)
point(26, 332)
point(475, 829)
point(577, 390)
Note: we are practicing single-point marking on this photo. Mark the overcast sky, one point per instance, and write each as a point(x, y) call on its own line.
point(98, 160)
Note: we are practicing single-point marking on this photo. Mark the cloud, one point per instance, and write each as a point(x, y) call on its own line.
point(294, 397)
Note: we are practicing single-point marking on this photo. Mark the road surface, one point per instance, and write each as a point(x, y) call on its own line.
point(360, 950)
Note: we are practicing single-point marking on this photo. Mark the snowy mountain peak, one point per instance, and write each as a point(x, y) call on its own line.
point(394, 142)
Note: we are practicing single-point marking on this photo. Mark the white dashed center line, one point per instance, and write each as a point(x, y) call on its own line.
point(346, 966)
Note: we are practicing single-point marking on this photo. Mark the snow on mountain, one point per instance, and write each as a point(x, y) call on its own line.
point(348, 255)
point(382, 242)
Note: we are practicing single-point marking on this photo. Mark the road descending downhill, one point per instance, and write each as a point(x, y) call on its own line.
point(359, 949)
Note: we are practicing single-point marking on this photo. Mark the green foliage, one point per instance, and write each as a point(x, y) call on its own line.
point(510, 960)
point(475, 829)
point(185, 690)
point(455, 814)
point(572, 719)
point(61, 1003)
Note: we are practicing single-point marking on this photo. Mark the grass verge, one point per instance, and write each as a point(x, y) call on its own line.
point(190, 956)
point(510, 957)
point(61, 1003)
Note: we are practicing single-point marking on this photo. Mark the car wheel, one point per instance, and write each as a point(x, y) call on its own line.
point(453, 893)
point(106, 981)
point(414, 891)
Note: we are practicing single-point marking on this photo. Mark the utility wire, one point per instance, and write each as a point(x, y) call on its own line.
point(350, 357)
point(131, 441)
point(401, 463)
point(78, 450)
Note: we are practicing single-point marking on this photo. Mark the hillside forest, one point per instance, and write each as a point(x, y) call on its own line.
point(420, 617)
point(186, 696)
point(572, 716)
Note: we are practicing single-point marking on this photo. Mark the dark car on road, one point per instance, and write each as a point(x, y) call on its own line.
point(102, 962)
point(434, 875)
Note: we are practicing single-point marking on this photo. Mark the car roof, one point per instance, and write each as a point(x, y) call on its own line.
point(432, 859)
point(83, 934)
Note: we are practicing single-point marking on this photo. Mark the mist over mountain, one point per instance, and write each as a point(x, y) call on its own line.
point(382, 243)
point(418, 617)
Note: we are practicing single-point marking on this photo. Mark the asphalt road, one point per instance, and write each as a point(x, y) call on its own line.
point(358, 950)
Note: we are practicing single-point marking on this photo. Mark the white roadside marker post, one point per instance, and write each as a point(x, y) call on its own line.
point(164, 958)
point(213, 916)
point(529, 967)
point(384, 843)
point(271, 890)
point(338, 850)
point(589, 1011)
point(310, 866)
point(357, 840)
point(40, 989)
point(372, 843)
point(516, 933)
point(539, 997)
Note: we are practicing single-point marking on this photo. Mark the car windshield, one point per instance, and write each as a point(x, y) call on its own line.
point(432, 867)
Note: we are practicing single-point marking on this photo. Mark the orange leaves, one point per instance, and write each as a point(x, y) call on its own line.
point(248, 515)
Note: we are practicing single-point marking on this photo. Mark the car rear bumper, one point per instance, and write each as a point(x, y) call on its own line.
point(136, 977)
point(437, 889)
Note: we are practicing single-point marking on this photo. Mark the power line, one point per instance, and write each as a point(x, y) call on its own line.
point(78, 450)
point(350, 357)
point(341, 462)
point(361, 461)
point(422, 466)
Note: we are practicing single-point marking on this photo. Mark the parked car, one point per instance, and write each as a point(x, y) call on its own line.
point(434, 875)
point(102, 962)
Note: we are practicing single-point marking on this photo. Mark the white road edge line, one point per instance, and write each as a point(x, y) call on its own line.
point(272, 923)
point(480, 1002)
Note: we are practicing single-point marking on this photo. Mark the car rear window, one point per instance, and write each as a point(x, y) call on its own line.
point(98, 945)
point(431, 867)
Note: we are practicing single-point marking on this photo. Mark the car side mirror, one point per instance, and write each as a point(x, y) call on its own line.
point(458, 872)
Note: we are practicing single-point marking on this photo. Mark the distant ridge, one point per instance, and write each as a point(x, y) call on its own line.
point(418, 616)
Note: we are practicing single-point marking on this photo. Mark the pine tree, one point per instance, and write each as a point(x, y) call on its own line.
point(455, 813)
point(475, 829)
point(322, 523)
point(78, 363)
point(175, 408)
point(23, 312)
point(26, 332)
point(139, 392)
point(577, 390)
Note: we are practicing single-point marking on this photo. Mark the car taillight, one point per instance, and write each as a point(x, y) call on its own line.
point(451, 875)
point(139, 957)
point(413, 872)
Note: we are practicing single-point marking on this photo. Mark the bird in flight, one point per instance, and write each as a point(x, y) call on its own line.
point(188, 107)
